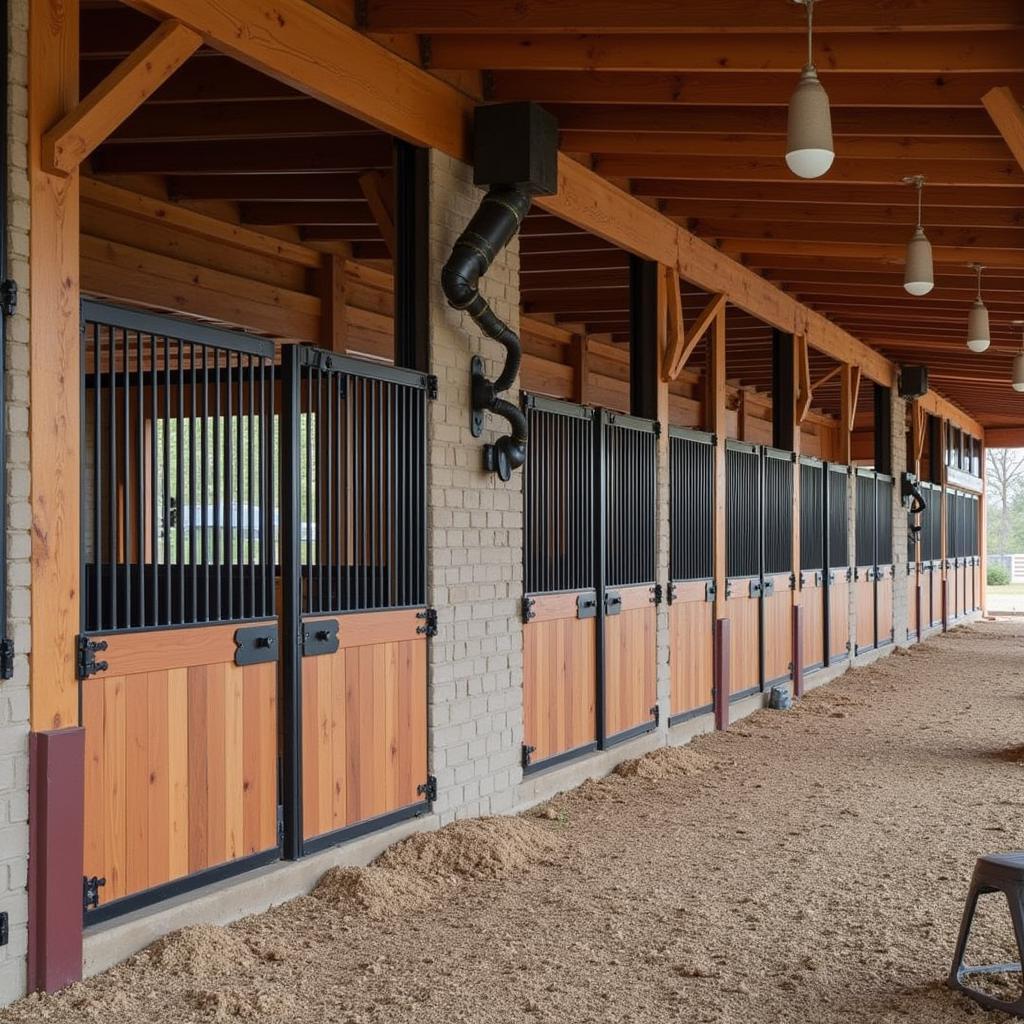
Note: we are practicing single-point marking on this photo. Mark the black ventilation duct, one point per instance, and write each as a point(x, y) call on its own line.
point(516, 156)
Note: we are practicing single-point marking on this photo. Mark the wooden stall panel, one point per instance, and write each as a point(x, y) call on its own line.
point(976, 603)
point(559, 678)
point(364, 723)
point(744, 639)
point(936, 588)
point(631, 687)
point(839, 616)
point(691, 618)
point(812, 615)
point(181, 766)
point(864, 596)
point(962, 579)
point(778, 630)
point(884, 593)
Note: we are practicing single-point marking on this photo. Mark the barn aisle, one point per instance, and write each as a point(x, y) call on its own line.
point(808, 866)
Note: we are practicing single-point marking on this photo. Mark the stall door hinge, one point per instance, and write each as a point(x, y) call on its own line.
point(432, 387)
point(657, 594)
point(91, 891)
point(428, 789)
point(656, 714)
point(528, 612)
point(280, 824)
point(86, 662)
point(528, 753)
point(6, 658)
point(429, 628)
point(9, 297)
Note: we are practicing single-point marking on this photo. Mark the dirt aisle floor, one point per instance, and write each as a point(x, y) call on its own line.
point(807, 867)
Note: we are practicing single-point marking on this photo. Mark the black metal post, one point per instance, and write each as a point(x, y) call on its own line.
point(412, 254)
point(783, 391)
point(291, 612)
point(643, 338)
point(600, 564)
point(826, 563)
point(883, 429)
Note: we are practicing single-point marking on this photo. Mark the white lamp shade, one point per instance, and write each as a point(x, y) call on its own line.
point(809, 151)
point(1018, 372)
point(977, 327)
point(918, 275)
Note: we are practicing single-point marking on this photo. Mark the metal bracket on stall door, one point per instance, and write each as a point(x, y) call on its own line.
point(768, 588)
point(612, 602)
point(657, 594)
point(586, 606)
point(710, 590)
point(255, 645)
point(756, 589)
point(320, 637)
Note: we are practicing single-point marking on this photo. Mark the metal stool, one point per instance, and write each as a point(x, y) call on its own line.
point(995, 872)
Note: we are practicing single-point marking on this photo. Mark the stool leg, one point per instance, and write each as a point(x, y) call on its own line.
point(965, 930)
point(1015, 898)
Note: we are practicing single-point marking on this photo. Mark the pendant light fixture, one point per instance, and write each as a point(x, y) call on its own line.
point(978, 335)
point(809, 151)
point(918, 273)
point(1018, 360)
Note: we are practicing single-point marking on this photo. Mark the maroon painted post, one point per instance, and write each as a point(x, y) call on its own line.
point(721, 673)
point(56, 827)
point(920, 609)
point(798, 651)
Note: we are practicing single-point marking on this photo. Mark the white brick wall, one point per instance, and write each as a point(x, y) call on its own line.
point(475, 539)
point(14, 702)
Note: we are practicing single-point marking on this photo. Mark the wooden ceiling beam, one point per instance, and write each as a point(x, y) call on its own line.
point(267, 187)
point(995, 238)
point(745, 88)
point(852, 147)
point(124, 90)
point(847, 53)
point(821, 213)
point(726, 16)
point(1008, 116)
point(901, 122)
point(883, 252)
point(255, 119)
point(856, 172)
point(891, 192)
point(306, 156)
point(327, 213)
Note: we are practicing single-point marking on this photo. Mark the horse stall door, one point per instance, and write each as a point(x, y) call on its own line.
point(864, 575)
point(885, 569)
point(628, 472)
point(743, 566)
point(952, 563)
point(691, 573)
point(837, 538)
point(560, 606)
point(812, 564)
point(931, 543)
point(178, 651)
point(353, 544)
point(777, 589)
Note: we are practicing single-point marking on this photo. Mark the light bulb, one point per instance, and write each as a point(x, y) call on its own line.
point(978, 337)
point(809, 150)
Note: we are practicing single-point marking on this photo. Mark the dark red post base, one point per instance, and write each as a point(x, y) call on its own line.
point(721, 673)
point(56, 824)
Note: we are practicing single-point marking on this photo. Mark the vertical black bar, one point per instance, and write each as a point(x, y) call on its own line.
point(883, 429)
point(783, 397)
point(643, 337)
point(291, 613)
point(179, 434)
point(97, 528)
point(193, 454)
point(600, 478)
point(144, 498)
point(250, 490)
point(112, 474)
point(204, 482)
point(412, 256)
point(127, 486)
point(308, 558)
point(219, 523)
point(154, 455)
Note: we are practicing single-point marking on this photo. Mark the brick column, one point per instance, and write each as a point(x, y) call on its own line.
point(475, 539)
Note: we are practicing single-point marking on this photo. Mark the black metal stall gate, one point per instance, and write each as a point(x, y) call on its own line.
point(930, 551)
point(874, 571)
point(759, 566)
point(691, 589)
point(233, 509)
point(590, 621)
point(824, 592)
point(963, 562)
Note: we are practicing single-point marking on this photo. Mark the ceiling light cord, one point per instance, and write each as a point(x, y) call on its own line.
point(810, 35)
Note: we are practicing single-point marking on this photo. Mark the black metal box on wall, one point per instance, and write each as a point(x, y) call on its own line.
point(516, 144)
point(913, 381)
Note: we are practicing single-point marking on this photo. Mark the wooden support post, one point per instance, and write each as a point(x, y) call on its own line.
point(693, 334)
point(333, 309)
point(55, 372)
point(803, 387)
point(120, 94)
point(983, 530)
point(849, 387)
point(714, 405)
point(675, 351)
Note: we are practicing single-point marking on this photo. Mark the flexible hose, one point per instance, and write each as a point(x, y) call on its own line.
point(492, 227)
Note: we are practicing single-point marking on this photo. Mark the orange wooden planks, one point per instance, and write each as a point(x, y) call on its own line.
point(812, 635)
point(778, 630)
point(690, 648)
point(744, 639)
point(630, 672)
point(839, 618)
